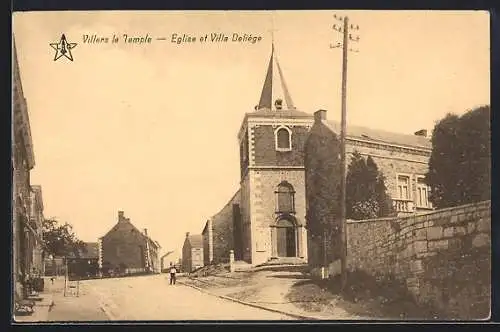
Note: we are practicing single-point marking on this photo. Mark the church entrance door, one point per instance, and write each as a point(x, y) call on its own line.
point(286, 239)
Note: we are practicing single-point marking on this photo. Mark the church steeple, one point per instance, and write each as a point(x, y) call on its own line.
point(275, 94)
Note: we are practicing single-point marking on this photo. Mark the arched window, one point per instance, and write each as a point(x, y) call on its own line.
point(285, 202)
point(283, 137)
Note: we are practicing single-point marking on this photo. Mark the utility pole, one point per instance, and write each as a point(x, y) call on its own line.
point(344, 30)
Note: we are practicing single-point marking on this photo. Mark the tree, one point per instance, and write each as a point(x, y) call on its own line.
point(60, 240)
point(366, 193)
point(322, 163)
point(382, 198)
point(460, 166)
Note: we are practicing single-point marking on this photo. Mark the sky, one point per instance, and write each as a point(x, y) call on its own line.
point(151, 129)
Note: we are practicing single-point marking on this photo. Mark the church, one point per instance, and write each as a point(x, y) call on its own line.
point(265, 220)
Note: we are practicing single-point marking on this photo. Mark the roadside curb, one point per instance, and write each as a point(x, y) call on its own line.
point(247, 303)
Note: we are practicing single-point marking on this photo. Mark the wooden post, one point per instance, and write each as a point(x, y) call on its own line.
point(342, 153)
point(65, 275)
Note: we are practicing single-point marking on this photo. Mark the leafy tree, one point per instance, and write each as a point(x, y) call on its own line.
point(459, 166)
point(366, 193)
point(381, 196)
point(60, 240)
point(322, 183)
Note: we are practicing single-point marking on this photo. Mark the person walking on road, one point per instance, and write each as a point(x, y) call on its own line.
point(173, 272)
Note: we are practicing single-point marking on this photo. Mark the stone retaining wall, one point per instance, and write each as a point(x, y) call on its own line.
point(443, 257)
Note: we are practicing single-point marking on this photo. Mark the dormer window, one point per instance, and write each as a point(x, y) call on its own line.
point(283, 139)
point(278, 104)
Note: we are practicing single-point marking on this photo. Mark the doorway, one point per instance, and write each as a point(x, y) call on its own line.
point(286, 239)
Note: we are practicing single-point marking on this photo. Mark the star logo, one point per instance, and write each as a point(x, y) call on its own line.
point(63, 48)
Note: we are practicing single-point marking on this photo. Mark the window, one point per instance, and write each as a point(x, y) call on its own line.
point(404, 187)
point(283, 137)
point(278, 104)
point(285, 198)
point(422, 193)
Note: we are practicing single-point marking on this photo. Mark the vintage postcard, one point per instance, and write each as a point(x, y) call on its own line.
point(251, 165)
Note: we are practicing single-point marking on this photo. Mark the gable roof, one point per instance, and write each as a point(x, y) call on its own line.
point(376, 135)
point(196, 241)
point(92, 251)
point(129, 223)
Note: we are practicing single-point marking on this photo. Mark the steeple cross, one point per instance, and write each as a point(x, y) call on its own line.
point(272, 30)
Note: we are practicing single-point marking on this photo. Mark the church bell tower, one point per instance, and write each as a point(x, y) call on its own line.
point(271, 142)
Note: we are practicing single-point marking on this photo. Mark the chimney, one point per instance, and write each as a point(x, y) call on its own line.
point(187, 234)
point(319, 115)
point(146, 231)
point(421, 132)
point(121, 216)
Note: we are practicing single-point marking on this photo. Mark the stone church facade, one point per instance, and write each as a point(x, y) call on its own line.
point(267, 221)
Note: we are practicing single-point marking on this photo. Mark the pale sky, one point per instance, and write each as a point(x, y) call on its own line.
point(152, 129)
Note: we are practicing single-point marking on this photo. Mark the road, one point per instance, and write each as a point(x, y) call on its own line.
point(151, 298)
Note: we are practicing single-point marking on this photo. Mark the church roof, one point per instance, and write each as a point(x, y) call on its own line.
point(283, 113)
point(376, 135)
point(274, 89)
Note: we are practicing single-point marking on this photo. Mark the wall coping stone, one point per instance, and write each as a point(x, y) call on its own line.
point(419, 215)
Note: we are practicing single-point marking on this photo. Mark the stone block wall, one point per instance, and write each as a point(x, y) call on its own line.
point(222, 230)
point(208, 245)
point(393, 161)
point(264, 149)
point(443, 257)
point(245, 210)
point(125, 246)
point(263, 199)
point(196, 258)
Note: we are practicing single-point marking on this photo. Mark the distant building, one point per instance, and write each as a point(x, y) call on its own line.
point(85, 264)
point(192, 253)
point(170, 257)
point(126, 250)
point(54, 267)
point(402, 158)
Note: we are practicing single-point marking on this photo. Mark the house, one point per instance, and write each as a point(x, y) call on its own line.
point(86, 262)
point(192, 252)
point(127, 250)
point(402, 158)
point(26, 235)
point(171, 257)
